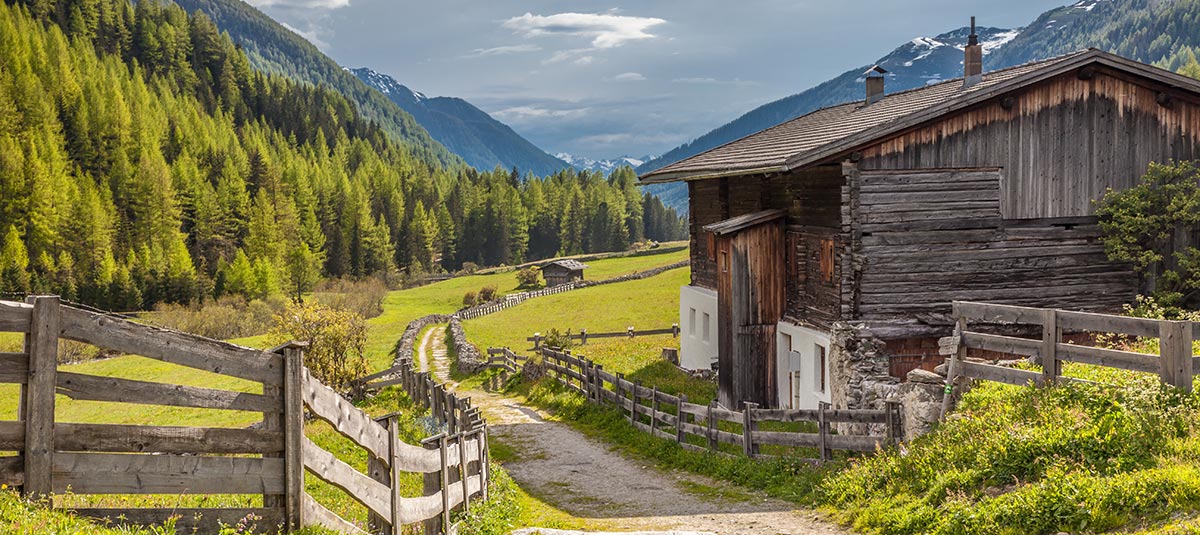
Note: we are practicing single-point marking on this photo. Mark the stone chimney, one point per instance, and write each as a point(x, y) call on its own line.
point(874, 78)
point(973, 59)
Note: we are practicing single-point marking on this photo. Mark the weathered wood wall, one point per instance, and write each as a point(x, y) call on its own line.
point(750, 302)
point(1061, 143)
point(930, 237)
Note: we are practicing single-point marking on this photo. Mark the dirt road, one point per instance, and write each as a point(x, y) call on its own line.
point(583, 477)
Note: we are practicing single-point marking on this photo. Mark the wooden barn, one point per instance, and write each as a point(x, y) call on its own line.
point(880, 212)
point(563, 271)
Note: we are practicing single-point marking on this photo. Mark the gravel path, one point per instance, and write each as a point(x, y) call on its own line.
point(583, 477)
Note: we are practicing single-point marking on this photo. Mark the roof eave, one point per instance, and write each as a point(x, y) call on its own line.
point(655, 177)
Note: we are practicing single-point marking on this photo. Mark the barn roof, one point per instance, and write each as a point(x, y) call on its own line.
point(568, 263)
point(729, 226)
point(835, 130)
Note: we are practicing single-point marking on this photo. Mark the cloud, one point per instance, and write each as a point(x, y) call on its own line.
point(606, 30)
point(502, 50)
point(629, 77)
point(301, 4)
point(312, 35)
point(713, 81)
point(524, 113)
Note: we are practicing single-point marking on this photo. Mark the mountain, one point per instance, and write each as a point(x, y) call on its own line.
point(1165, 33)
point(921, 61)
point(272, 48)
point(584, 163)
point(464, 129)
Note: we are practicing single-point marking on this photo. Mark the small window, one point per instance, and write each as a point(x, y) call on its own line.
point(724, 261)
point(826, 260)
point(692, 322)
point(819, 373)
point(706, 322)
point(711, 245)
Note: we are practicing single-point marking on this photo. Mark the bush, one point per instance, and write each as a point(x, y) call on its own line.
point(470, 268)
point(336, 341)
point(559, 339)
point(228, 317)
point(363, 297)
point(529, 277)
point(470, 299)
point(487, 293)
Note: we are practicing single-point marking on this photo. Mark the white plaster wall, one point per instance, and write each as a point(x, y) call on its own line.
point(802, 356)
point(697, 346)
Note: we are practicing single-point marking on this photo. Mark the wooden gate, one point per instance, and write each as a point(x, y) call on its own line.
point(750, 301)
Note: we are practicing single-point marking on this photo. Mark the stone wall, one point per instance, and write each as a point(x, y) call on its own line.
point(408, 341)
point(467, 356)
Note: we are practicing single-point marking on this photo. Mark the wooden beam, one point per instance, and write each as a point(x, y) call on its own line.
point(171, 346)
point(115, 389)
point(345, 418)
point(106, 473)
point(14, 368)
point(15, 317)
point(188, 520)
point(39, 399)
point(315, 514)
point(1111, 358)
point(164, 439)
point(373, 494)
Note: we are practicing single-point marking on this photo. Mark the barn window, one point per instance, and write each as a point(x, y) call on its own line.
point(820, 371)
point(711, 245)
point(724, 261)
point(793, 265)
point(825, 255)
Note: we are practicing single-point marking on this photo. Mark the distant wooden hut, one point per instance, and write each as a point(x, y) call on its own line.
point(563, 272)
point(878, 213)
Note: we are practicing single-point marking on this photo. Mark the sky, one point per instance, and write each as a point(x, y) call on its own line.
point(624, 77)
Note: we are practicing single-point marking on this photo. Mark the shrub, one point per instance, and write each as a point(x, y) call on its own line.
point(559, 339)
point(487, 293)
point(228, 317)
point(470, 299)
point(363, 297)
point(470, 268)
point(336, 341)
point(529, 277)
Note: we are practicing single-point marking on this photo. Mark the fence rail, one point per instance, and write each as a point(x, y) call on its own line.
point(706, 427)
point(1174, 363)
point(583, 335)
point(270, 460)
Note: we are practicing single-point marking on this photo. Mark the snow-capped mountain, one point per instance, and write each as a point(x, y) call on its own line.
point(584, 163)
point(466, 130)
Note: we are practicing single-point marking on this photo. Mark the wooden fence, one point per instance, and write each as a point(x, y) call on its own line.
point(707, 427)
point(511, 300)
point(451, 412)
point(1174, 364)
point(583, 335)
point(270, 460)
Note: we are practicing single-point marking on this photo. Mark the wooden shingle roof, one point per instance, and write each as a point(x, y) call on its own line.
point(569, 264)
point(835, 130)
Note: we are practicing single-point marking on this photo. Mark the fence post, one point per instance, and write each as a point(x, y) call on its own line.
point(466, 474)
point(674, 330)
point(444, 474)
point(39, 395)
point(601, 396)
point(712, 426)
point(618, 388)
point(895, 430)
point(960, 353)
point(653, 410)
point(1051, 367)
point(483, 462)
point(432, 484)
point(748, 429)
point(634, 396)
point(583, 337)
point(630, 330)
point(537, 340)
point(293, 429)
point(377, 471)
point(679, 418)
point(822, 431)
point(393, 426)
point(1175, 352)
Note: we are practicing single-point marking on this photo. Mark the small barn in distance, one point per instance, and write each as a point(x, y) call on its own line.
point(881, 212)
point(563, 272)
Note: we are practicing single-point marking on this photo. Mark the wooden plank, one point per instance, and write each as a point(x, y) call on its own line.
point(781, 438)
point(991, 313)
point(292, 422)
point(39, 395)
point(14, 368)
point(1000, 374)
point(315, 514)
point(164, 439)
point(858, 416)
point(345, 417)
point(1087, 321)
point(108, 473)
point(855, 443)
point(1051, 336)
point(171, 346)
point(12, 471)
point(373, 494)
point(115, 389)
point(1002, 344)
point(1110, 358)
point(1175, 349)
point(15, 317)
point(12, 436)
point(188, 520)
point(394, 370)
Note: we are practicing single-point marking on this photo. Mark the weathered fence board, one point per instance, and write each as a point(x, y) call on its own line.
point(344, 417)
point(172, 346)
point(107, 473)
point(14, 368)
point(316, 514)
point(12, 471)
point(1110, 358)
point(95, 388)
point(1002, 344)
point(374, 495)
point(15, 317)
point(164, 439)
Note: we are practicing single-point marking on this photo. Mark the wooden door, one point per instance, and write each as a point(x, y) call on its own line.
point(750, 294)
